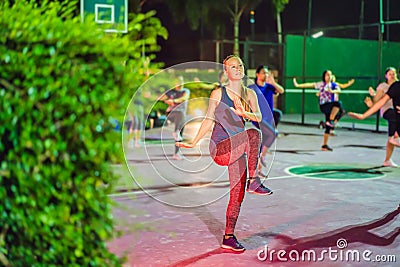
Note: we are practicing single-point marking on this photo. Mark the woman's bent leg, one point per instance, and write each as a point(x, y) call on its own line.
point(231, 149)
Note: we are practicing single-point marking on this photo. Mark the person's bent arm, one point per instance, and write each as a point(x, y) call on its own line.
point(278, 88)
point(253, 102)
point(368, 101)
point(183, 98)
point(163, 97)
point(207, 122)
point(345, 85)
point(378, 95)
point(337, 90)
point(254, 114)
point(371, 91)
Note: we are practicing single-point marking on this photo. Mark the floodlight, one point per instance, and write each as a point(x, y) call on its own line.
point(317, 34)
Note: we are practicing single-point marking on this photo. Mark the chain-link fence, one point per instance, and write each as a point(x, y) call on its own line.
point(361, 52)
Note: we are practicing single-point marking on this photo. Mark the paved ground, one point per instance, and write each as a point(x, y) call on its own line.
point(178, 217)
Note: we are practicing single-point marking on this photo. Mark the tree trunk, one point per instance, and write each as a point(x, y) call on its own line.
point(279, 26)
point(236, 35)
point(280, 51)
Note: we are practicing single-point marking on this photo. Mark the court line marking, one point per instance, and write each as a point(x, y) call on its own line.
point(139, 191)
point(290, 175)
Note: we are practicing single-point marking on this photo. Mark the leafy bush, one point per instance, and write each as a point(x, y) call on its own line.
point(61, 80)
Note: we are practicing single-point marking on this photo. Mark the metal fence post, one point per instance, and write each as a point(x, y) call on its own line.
point(303, 91)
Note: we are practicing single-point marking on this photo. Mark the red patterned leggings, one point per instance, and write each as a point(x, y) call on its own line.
point(236, 152)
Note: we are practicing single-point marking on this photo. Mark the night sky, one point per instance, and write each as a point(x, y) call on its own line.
point(183, 43)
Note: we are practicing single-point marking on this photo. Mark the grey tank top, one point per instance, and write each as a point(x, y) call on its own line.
point(226, 123)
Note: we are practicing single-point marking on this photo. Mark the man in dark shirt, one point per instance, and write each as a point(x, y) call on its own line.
point(394, 94)
point(176, 99)
point(266, 87)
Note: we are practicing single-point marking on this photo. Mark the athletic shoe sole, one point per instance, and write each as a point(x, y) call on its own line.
point(257, 193)
point(326, 149)
point(233, 249)
point(391, 165)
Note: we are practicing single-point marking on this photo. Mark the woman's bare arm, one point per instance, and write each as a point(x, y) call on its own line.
point(371, 110)
point(208, 121)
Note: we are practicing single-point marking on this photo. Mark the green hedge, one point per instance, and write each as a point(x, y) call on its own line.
point(60, 82)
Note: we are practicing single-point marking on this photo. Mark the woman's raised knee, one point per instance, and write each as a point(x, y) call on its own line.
point(254, 134)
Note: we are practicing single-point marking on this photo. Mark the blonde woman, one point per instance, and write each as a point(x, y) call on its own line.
point(231, 143)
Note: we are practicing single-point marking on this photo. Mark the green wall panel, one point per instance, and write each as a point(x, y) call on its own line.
point(347, 58)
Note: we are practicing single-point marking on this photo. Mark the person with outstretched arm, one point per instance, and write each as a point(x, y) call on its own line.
point(394, 94)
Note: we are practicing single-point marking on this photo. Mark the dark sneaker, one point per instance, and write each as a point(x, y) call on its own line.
point(326, 148)
point(255, 186)
point(231, 243)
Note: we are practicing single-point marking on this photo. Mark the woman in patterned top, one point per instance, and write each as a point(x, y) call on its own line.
point(327, 104)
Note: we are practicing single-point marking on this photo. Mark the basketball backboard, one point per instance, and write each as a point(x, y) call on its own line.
point(113, 14)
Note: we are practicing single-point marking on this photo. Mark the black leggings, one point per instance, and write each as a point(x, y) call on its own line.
point(341, 112)
point(277, 116)
point(268, 133)
point(390, 116)
point(178, 118)
point(327, 109)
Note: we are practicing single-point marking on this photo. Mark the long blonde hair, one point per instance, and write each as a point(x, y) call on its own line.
point(244, 92)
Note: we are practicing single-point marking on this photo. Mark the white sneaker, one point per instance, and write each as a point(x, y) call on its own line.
point(390, 163)
point(394, 141)
point(177, 157)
